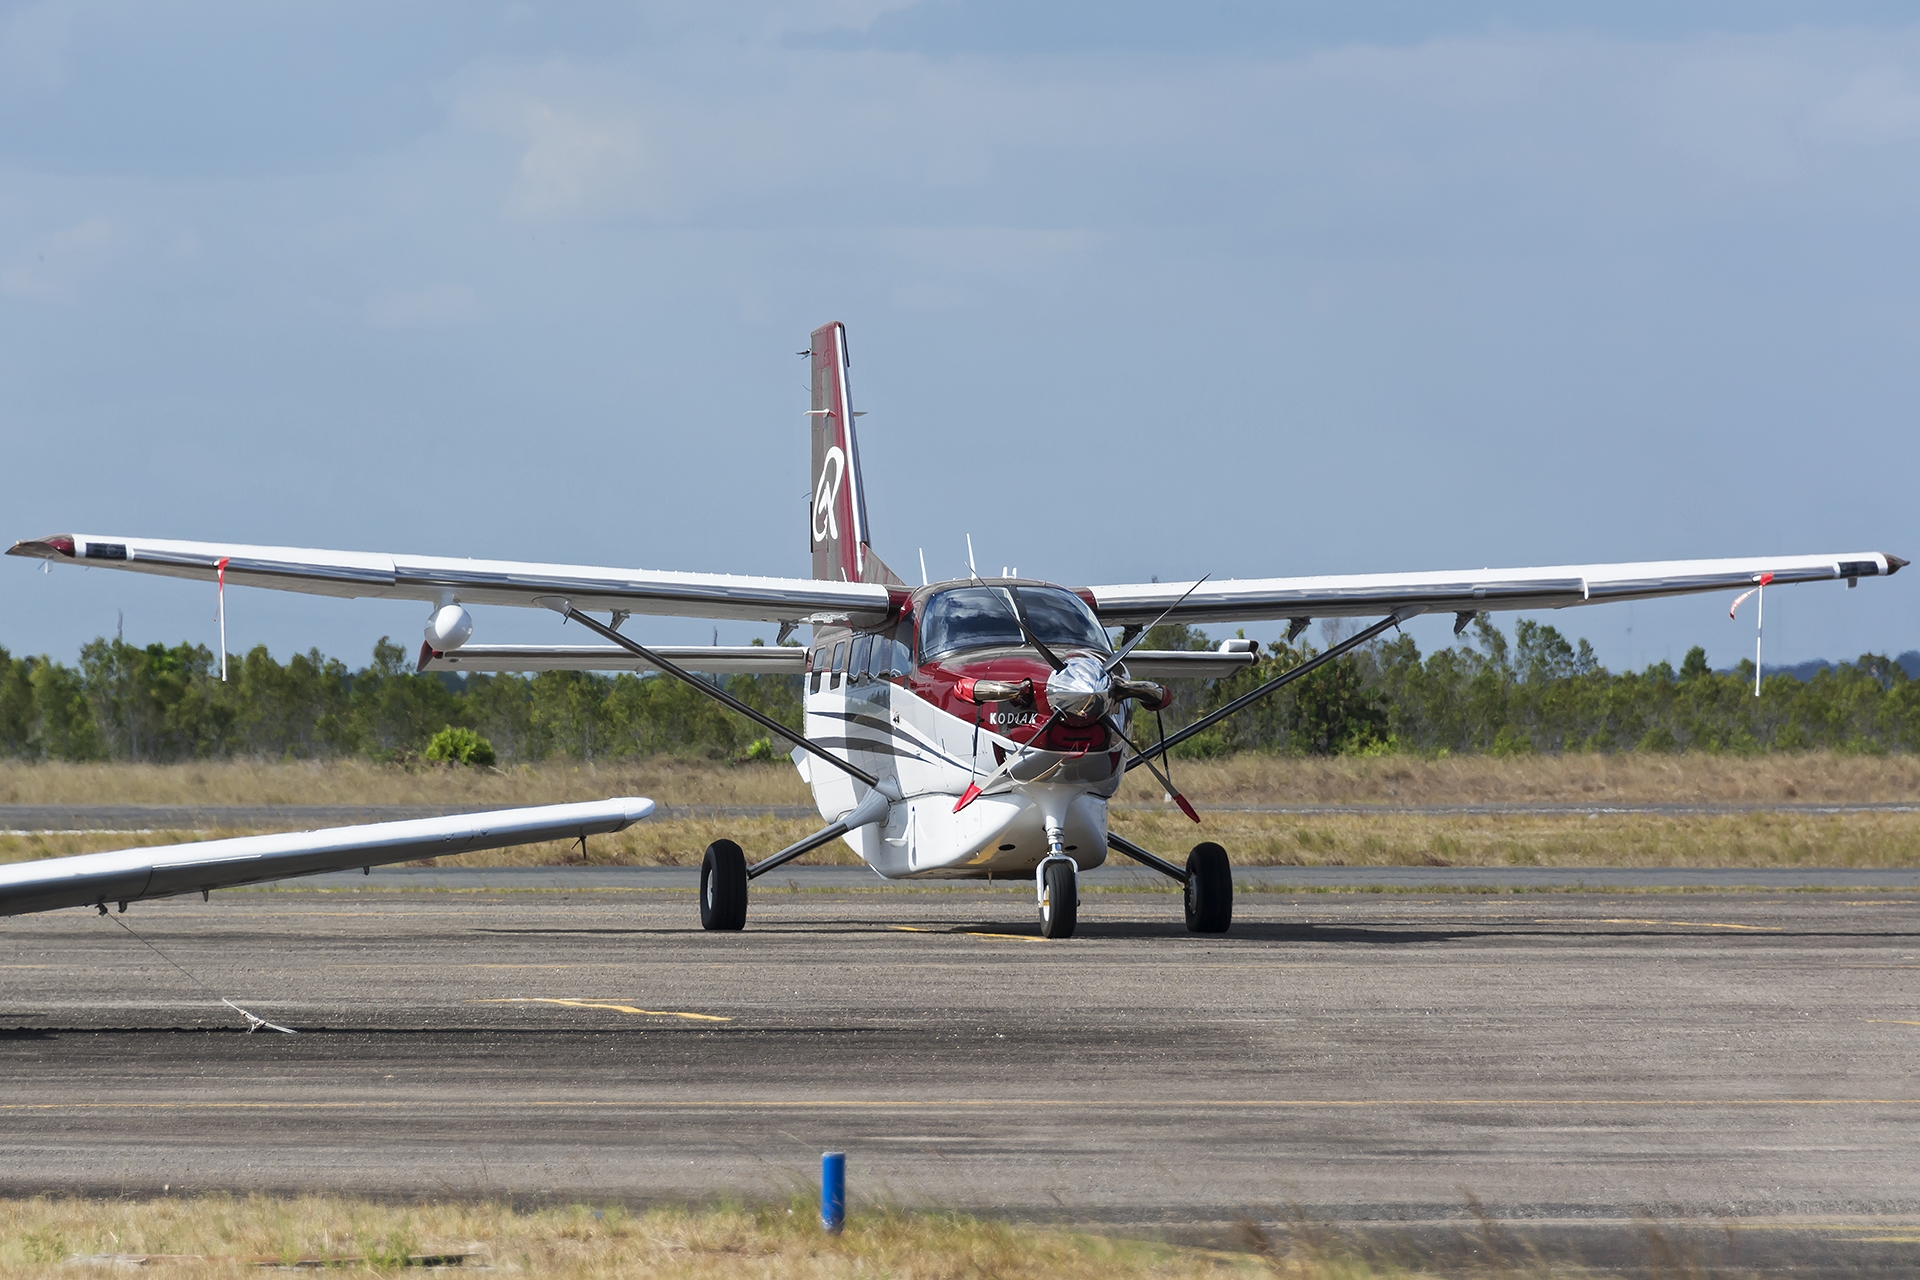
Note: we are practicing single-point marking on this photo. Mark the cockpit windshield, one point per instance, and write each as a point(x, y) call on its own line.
point(982, 617)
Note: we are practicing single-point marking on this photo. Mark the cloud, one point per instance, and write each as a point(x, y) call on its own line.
point(1878, 106)
point(51, 271)
point(435, 307)
point(572, 161)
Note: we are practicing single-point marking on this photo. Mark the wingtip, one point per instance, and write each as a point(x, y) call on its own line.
point(47, 548)
point(1895, 564)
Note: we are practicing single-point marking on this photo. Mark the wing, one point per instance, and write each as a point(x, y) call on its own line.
point(1468, 591)
point(98, 878)
point(758, 660)
point(713, 660)
point(434, 578)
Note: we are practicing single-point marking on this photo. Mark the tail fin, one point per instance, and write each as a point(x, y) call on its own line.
point(838, 512)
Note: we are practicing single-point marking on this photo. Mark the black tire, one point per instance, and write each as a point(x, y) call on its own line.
point(1061, 910)
point(723, 887)
point(1209, 890)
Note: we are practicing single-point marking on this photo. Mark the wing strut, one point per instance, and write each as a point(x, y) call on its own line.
point(1121, 844)
point(1288, 676)
point(714, 691)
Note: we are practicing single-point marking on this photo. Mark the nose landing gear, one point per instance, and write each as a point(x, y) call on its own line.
point(1057, 881)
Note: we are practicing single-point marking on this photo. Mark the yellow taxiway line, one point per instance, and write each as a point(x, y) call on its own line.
point(967, 933)
point(1694, 924)
point(936, 1104)
point(617, 1008)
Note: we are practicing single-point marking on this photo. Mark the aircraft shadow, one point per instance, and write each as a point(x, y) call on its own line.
point(1260, 931)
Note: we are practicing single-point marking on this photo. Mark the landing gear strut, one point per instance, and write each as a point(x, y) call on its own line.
point(1207, 879)
point(724, 871)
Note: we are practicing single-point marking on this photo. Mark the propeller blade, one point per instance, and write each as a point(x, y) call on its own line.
point(974, 789)
point(1165, 781)
point(1026, 632)
point(1113, 663)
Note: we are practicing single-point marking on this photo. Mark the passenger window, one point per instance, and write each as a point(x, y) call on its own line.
point(880, 666)
point(816, 663)
point(839, 664)
point(857, 665)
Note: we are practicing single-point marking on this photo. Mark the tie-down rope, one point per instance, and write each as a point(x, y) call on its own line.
point(254, 1023)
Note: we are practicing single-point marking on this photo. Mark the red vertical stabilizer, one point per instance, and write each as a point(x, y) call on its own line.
point(838, 511)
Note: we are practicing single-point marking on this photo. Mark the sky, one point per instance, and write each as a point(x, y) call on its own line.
point(1132, 291)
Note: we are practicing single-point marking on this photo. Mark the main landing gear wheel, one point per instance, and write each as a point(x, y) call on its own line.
point(1209, 889)
point(1059, 899)
point(723, 887)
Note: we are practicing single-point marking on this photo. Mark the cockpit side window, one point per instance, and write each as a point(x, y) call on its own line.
point(981, 617)
point(903, 647)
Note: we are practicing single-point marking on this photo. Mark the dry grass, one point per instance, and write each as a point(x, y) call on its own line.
point(1386, 838)
point(1638, 778)
point(224, 1235)
point(338, 782)
point(1391, 780)
point(1861, 840)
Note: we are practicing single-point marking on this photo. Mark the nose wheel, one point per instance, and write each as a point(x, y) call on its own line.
point(1059, 889)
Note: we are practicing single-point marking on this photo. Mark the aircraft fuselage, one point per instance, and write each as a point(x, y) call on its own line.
point(903, 714)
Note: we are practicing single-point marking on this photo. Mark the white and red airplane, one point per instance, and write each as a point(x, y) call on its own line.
point(963, 729)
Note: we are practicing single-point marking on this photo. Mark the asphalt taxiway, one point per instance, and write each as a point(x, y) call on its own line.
point(1570, 1060)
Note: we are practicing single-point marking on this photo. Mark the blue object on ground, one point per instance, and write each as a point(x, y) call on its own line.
point(833, 1191)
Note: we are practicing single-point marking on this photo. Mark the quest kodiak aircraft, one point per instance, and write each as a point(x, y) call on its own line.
point(962, 729)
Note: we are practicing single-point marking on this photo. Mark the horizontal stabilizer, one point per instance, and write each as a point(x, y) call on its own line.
point(1188, 664)
point(128, 875)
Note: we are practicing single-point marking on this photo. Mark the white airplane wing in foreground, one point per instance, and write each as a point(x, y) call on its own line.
point(95, 879)
point(1468, 591)
point(437, 578)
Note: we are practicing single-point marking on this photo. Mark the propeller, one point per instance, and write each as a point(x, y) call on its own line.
point(1082, 690)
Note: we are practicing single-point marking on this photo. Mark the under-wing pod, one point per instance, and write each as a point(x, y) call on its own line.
point(450, 627)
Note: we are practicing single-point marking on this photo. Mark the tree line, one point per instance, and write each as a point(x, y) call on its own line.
point(1532, 691)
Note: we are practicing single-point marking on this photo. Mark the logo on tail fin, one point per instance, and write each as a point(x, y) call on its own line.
point(826, 521)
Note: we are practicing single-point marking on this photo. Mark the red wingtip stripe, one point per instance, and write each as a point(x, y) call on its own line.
point(1766, 579)
point(1184, 806)
point(967, 797)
